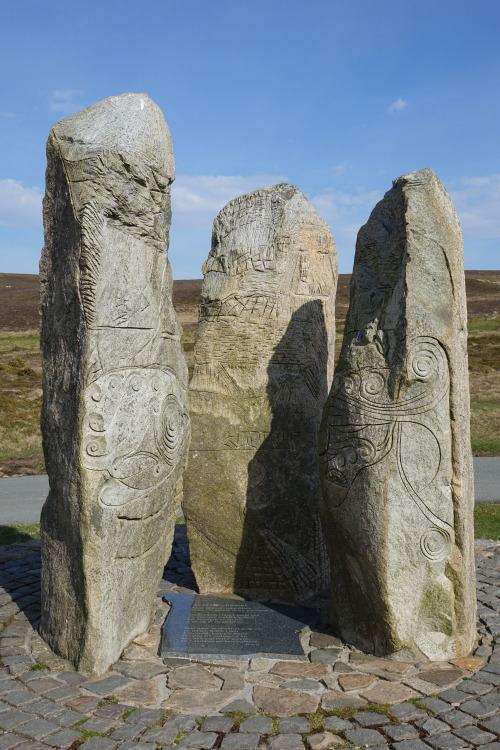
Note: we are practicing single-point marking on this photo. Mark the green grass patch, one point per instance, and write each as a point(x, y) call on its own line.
point(487, 521)
point(485, 446)
point(418, 703)
point(180, 520)
point(107, 700)
point(38, 666)
point(127, 713)
point(179, 737)
point(237, 717)
point(22, 532)
point(480, 324)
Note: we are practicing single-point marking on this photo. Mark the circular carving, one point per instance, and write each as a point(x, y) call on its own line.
point(96, 393)
point(367, 450)
point(426, 359)
point(351, 384)
point(435, 544)
point(96, 422)
point(373, 384)
point(96, 447)
point(135, 383)
point(172, 424)
point(113, 384)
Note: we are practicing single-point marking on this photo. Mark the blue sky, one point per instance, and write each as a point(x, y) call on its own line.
point(338, 97)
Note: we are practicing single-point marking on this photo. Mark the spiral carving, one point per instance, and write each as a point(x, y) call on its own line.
point(172, 422)
point(426, 359)
point(435, 544)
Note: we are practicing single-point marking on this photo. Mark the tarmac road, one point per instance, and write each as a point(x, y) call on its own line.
point(21, 498)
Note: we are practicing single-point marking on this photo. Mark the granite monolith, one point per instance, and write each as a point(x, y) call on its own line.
point(114, 417)
point(395, 450)
point(263, 358)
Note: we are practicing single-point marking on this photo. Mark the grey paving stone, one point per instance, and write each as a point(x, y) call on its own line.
point(183, 722)
point(489, 677)
point(132, 732)
point(370, 719)
point(446, 741)
point(490, 746)
point(367, 737)
point(146, 716)
point(20, 698)
point(99, 743)
point(240, 741)
point(64, 738)
point(31, 745)
point(63, 693)
point(297, 725)
point(430, 725)
point(67, 718)
point(490, 725)
point(474, 688)
point(44, 709)
point(407, 711)
point(158, 735)
point(100, 724)
point(13, 718)
point(285, 742)
point(492, 699)
point(198, 740)
point(107, 685)
point(335, 724)
point(217, 724)
point(477, 709)
point(112, 710)
point(456, 719)
point(37, 729)
point(72, 678)
point(399, 732)
point(452, 695)
point(493, 668)
point(9, 741)
point(135, 746)
point(325, 656)
point(436, 705)
point(474, 736)
point(258, 724)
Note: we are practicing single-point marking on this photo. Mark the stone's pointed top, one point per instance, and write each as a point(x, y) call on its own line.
point(419, 176)
point(283, 189)
point(129, 123)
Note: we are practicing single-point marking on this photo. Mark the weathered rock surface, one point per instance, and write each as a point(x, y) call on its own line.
point(114, 420)
point(395, 449)
point(263, 359)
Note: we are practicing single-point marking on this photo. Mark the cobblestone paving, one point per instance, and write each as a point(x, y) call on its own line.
point(338, 697)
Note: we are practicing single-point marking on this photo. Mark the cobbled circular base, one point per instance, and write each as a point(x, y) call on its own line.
point(339, 697)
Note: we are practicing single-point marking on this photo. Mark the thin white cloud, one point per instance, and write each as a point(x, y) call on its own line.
point(8, 115)
point(477, 201)
point(65, 101)
point(196, 200)
point(398, 106)
point(338, 169)
point(20, 206)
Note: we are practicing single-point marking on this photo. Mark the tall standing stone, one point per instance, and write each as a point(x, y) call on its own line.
point(114, 420)
point(395, 447)
point(263, 359)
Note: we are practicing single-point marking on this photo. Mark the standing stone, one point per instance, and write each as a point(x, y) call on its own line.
point(114, 421)
point(263, 359)
point(395, 447)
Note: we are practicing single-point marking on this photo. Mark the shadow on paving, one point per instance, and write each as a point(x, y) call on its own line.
point(20, 580)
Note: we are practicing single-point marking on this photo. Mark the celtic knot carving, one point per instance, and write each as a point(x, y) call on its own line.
point(372, 418)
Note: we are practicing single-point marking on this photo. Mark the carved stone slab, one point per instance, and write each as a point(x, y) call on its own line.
point(217, 627)
point(395, 448)
point(263, 359)
point(115, 424)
